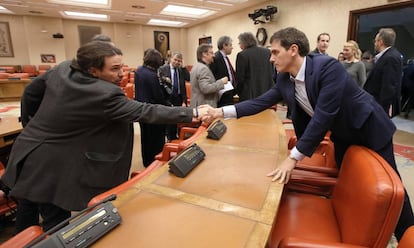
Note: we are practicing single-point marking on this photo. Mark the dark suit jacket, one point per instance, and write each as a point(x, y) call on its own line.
point(254, 72)
point(384, 80)
point(340, 105)
point(166, 72)
point(219, 69)
point(78, 142)
point(147, 87)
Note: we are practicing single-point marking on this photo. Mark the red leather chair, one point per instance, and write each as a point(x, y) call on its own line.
point(407, 240)
point(30, 69)
point(23, 238)
point(362, 211)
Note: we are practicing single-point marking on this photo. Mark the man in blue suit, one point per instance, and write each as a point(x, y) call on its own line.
point(322, 97)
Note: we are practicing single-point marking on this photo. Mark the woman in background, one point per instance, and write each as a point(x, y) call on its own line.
point(352, 62)
point(148, 90)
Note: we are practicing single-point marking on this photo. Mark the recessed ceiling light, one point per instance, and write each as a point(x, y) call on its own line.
point(175, 10)
point(87, 3)
point(83, 15)
point(159, 22)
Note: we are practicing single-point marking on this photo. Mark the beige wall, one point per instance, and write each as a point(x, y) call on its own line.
point(311, 16)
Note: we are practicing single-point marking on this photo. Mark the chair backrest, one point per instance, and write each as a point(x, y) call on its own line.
point(31, 69)
point(44, 67)
point(367, 199)
point(188, 91)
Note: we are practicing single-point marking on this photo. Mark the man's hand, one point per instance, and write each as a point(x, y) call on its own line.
point(283, 171)
point(203, 113)
point(215, 113)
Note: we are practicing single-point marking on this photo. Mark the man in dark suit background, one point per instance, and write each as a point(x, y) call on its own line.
point(322, 44)
point(222, 67)
point(179, 93)
point(254, 72)
point(384, 81)
point(322, 97)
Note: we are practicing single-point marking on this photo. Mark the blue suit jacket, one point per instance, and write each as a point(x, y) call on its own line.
point(340, 105)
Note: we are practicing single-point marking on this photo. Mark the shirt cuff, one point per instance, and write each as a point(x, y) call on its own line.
point(229, 111)
point(297, 155)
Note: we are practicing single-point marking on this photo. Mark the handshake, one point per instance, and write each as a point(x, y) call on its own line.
point(206, 113)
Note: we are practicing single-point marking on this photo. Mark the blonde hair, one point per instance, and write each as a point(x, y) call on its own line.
point(355, 47)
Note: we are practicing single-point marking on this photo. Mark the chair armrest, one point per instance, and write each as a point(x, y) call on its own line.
point(23, 238)
point(293, 242)
point(127, 184)
point(166, 153)
point(311, 183)
point(331, 172)
point(185, 131)
point(318, 181)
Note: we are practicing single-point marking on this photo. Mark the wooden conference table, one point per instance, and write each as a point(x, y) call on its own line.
point(226, 201)
point(10, 127)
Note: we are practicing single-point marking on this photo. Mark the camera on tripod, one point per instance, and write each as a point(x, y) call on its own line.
point(267, 13)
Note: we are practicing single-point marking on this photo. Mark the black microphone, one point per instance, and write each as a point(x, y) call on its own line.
point(65, 222)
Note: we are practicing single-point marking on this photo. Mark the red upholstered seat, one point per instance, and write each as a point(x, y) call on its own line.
point(363, 209)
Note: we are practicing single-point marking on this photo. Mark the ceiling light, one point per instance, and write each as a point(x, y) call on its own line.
point(159, 22)
point(220, 3)
point(87, 3)
point(176, 10)
point(5, 11)
point(82, 15)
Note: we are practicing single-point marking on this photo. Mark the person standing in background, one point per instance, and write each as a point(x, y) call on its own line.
point(368, 61)
point(384, 81)
point(221, 67)
point(173, 72)
point(341, 57)
point(322, 44)
point(352, 63)
point(254, 72)
point(148, 90)
point(204, 87)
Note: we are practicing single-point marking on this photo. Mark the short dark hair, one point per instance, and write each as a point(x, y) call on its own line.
point(247, 39)
point(101, 37)
point(202, 48)
point(223, 40)
point(153, 58)
point(289, 36)
point(93, 54)
point(319, 36)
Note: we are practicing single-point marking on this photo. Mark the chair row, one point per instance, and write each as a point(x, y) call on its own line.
point(10, 76)
point(32, 70)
